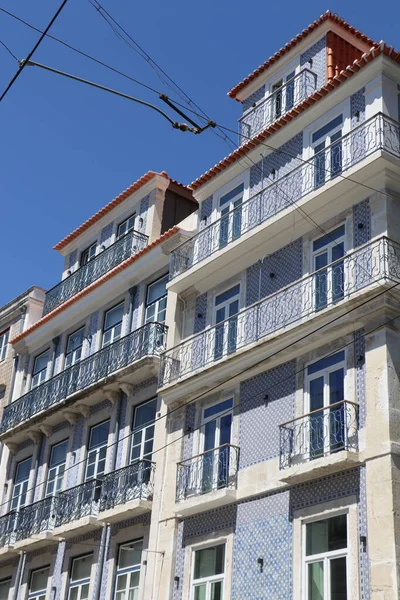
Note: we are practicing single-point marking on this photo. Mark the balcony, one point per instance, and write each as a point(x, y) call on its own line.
point(294, 91)
point(77, 509)
point(35, 523)
point(313, 295)
point(207, 481)
point(148, 340)
point(127, 246)
point(380, 133)
point(320, 442)
point(7, 532)
point(127, 492)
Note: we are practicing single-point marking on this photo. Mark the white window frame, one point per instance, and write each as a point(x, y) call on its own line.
point(213, 578)
point(126, 221)
point(113, 338)
point(4, 335)
point(327, 142)
point(90, 254)
point(96, 452)
point(21, 487)
point(239, 333)
point(142, 429)
point(58, 470)
point(156, 303)
point(43, 372)
point(75, 355)
point(127, 570)
point(328, 247)
point(5, 581)
point(78, 583)
point(40, 594)
point(324, 556)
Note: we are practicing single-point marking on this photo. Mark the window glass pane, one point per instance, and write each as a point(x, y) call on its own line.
point(326, 362)
point(126, 226)
point(39, 580)
point(81, 568)
point(157, 290)
point(227, 294)
point(316, 581)
point(145, 413)
point(326, 535)
point(329, 238)
point(336, 386)
point(218, 408)
point(41, 362)
point(3, 344)
point(113, 316)
point(58, 453)
point(200, 592)
point(209, 562)
point(235, 192)
point(316, 393)
point(338, 579)
point(74, 594)
point(23, 470)
point(216, 591)
point(130, 555)
point(75, 340)
point(327, 128)
point(99, 434)
point(4, 589)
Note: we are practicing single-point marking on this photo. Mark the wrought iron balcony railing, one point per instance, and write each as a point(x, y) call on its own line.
point(126, 246)
point(319, 433)
point(8, 524)
point(283, 99)
point(134, 482)
point(374, 262)
point(207, 472)
point(148, 340)
point(35, 518)
point(378, 133)
point(78, 502)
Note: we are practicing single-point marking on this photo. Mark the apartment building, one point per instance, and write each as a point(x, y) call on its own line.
point(208, 407)
point(281, 376)
point(78, 491)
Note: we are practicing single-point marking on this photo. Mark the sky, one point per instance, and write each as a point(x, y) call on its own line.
point(67, 149)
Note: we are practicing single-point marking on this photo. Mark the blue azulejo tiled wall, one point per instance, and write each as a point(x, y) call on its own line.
point(361, 223)
point(317, 54)
point(265, 401)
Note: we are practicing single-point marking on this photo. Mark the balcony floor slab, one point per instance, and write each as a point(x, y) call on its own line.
point(78, 527)
point(134, 508)
point(6, 551)
point(205, 502)
point(36, 541)
point(320, 467)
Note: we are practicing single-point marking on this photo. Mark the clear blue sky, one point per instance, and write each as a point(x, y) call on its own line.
point(66, 149)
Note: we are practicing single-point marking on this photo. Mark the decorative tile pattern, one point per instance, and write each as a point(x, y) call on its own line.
point(317, 53)
point(39, 552)
point(260, 418)
point(179, 563)
point(25, 444)
point(359, 360)
point(58, 355)
point(357, 107)
point(189, 426)
point(106, 233)
point(205, 211)
point(263, 530)
point(136, 303)
point(75, 454)
point(274, 272)
point(93, 536)
point(103, 405)
point(92, 331)
point(72, 258)
point(331, 487)
point(106, 566)
point(57, 573)
point(60, 426)
point(200, 320)
point(121, 433)
point(361, 223)
point(254, 97)
point(144, 208)
point(140, 520)
point(38, 493)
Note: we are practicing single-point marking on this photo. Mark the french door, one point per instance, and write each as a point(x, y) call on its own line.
point(329, 279)
point(230, 210)
point(216, 437)
point(226, 307)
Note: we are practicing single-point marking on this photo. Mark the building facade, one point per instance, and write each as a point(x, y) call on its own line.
point(208, 407)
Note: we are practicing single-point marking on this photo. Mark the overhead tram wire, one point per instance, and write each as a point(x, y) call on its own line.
point(9, 51)
point(243, 371)
point(23, 63)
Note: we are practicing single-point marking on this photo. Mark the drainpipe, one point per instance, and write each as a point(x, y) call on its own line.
point(19, 575)
point(132, 294)
point(104, 541)
point(56, 341)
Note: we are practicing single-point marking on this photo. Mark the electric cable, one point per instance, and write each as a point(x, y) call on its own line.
point(9, 51)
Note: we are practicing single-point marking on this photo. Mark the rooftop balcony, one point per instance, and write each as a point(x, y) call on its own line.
point(314, 183)
point(126, 246)
point(320, 442)
point(330, 288)
point(207, 481)
point(65, 388)
point(283, 99)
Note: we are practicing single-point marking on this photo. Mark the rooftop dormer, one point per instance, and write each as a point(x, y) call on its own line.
point(296, 71)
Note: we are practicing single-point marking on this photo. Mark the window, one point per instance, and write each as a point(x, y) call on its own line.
point(156, 301)
point(327, 252)
point(112, 327)
point(290, 82)
point(230, 209)
point(327, 165)
point(55, 475)
point(97, 450)
point(208, 573)
point(325, 560)
point(74, 348)
point(226, 306)
point(5, 586)
point(277, 99)
point(128, 571)
point(79, 580)
point(126, 226)
point(216, 435)
point(88, 254)
point(143, 431)
point(40, 368)
point(3, 344)
point(325, 381)
point(38, 584)
point(21, 480)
